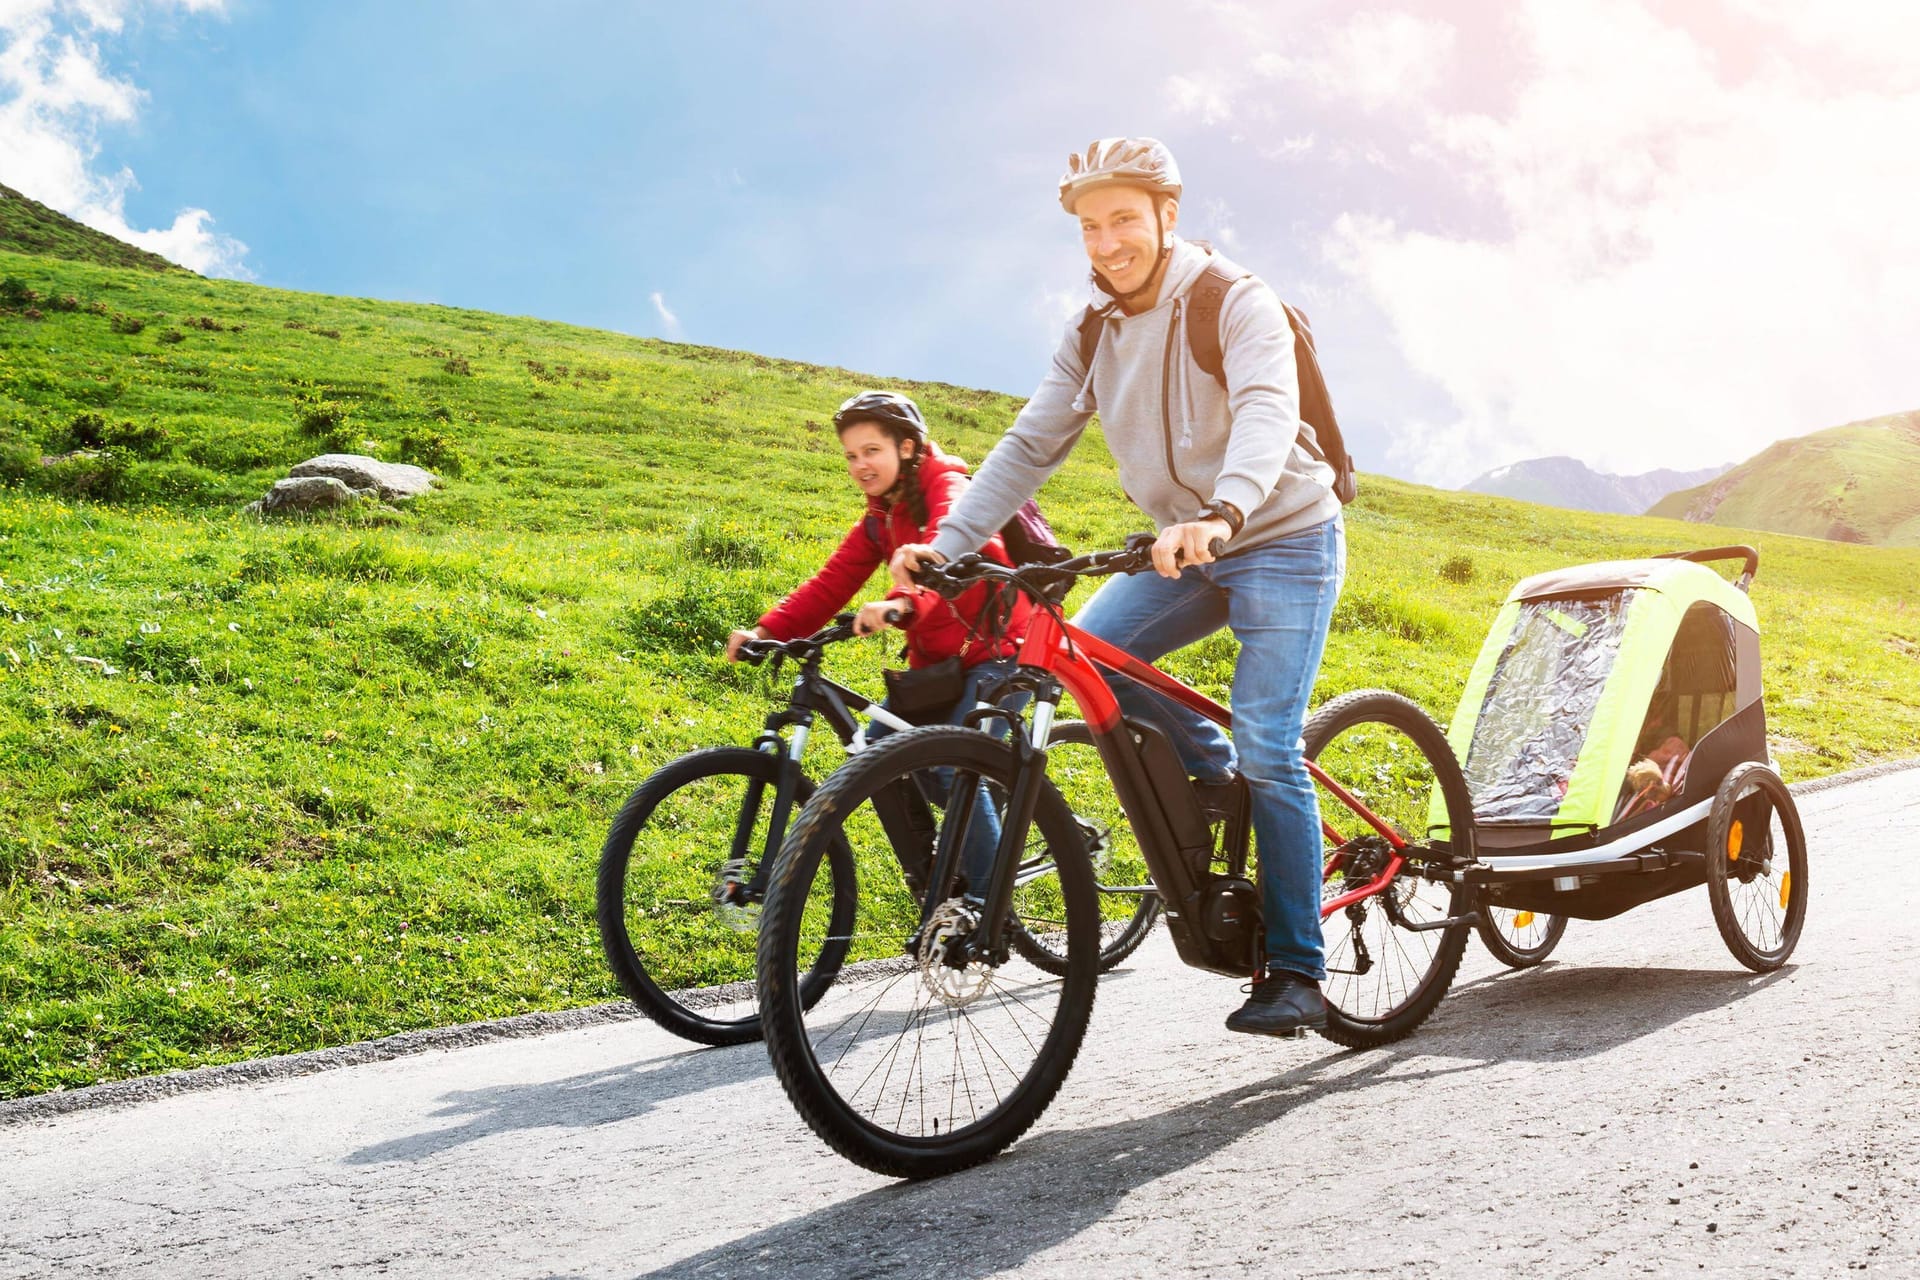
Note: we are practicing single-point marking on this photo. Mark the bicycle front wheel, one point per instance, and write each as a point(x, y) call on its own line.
point(929, 1054)
point(677, 899)
point(1390, 957)
point(1128, 903)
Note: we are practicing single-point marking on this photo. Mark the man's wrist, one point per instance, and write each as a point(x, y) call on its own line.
point(1220, 509)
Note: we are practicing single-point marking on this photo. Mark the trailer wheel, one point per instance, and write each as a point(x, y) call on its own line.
point(1757, 867)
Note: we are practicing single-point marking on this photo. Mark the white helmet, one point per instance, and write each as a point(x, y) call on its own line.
point(1137, 162)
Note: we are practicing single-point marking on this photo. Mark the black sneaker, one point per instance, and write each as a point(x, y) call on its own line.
point(1281, 1004)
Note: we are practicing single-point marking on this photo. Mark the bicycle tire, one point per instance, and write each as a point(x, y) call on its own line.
point(1509, 934)
point(1742, 888)
point(1125, 918)
point(892, 999)
point(674, 988)
point(1389, 754)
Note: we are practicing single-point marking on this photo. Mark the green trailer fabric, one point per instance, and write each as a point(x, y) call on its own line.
point(1552, 710)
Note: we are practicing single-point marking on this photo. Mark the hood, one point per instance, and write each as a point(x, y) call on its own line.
point(1184, 266)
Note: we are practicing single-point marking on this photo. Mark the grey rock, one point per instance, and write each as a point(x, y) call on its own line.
point(396, 481)
point(306, 493)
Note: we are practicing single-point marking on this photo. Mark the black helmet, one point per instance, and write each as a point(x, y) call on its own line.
point(888, 407)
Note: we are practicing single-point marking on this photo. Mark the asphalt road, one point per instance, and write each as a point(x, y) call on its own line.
point(1640, 1105)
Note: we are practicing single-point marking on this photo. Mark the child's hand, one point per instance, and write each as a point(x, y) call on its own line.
point(880, 615)
point(739, 638)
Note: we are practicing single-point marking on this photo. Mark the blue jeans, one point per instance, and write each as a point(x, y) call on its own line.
point(983, 833)
point(1278, 598)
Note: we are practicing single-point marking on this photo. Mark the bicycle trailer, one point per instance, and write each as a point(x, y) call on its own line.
point(1613, 736)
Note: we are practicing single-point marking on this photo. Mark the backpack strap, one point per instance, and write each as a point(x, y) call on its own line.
point(1093, 322)
point(871, 523)
point(1204, 303)
point(1316, 406)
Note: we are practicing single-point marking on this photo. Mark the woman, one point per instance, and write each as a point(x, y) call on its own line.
point(910, 485)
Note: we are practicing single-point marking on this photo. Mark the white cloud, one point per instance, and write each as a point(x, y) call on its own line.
point(1692, 264)
point(55, 95)
point(1205, 97)
point(669, 322)
point(1375, 59)
point(1215, 222)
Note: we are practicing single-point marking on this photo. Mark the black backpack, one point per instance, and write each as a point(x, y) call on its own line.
point(1204, 303)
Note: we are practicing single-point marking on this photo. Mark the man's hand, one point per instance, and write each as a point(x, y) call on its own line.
point(1187, 544)
point(909, 559)
point(880, 615)
point(739, 638)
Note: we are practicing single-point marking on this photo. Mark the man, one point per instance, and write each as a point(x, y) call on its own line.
point(1206, 457)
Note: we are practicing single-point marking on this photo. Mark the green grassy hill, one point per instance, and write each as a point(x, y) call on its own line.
point(266, 788)
point(1849, 484)
point(27, 226)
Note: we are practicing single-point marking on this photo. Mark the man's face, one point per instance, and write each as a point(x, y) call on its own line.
point(1117, 227)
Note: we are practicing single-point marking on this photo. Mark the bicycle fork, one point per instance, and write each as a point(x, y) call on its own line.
point(992, 903)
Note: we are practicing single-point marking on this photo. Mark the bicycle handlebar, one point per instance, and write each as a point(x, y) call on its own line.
point(755, 652)
point(954, 576)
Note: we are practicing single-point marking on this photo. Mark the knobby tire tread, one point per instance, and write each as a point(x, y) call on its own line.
point(787, 1036)
point(623, 958)
point(1382, 706)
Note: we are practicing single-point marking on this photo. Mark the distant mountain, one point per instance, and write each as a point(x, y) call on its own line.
point(1568, 482)
point(1856, 483)
point(27, 226)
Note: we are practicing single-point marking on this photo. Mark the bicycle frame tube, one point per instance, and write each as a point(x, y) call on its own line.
point(1076, 660)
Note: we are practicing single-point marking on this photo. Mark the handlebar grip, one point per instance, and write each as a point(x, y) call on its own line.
point(1217, 548)
point(893, 617)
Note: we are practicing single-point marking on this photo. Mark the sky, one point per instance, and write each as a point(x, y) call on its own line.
point(1645, 235)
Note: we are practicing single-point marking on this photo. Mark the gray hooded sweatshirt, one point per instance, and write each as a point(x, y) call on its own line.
point(1180, 439)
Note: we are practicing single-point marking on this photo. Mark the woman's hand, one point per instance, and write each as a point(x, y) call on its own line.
point(909, 559)
point(880, 615)
point(1187, 543)
point(739, 638)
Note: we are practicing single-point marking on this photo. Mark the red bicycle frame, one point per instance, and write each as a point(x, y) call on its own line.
point(1074, 659)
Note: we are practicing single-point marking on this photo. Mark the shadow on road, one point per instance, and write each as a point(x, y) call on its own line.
point(575, 1102)
point(1557, 1012)
point(581, 1101)
point(992, 1218)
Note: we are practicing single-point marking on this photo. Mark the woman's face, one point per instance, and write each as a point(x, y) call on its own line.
point(873, 457)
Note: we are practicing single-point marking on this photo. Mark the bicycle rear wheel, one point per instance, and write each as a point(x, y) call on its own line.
point(1128, 903)
point(678, 923)
point(1389, 959)
point(924, 1057)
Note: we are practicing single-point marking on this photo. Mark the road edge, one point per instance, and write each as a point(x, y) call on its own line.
point(126, 1093)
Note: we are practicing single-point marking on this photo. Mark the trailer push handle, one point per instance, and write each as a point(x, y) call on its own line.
point(1751, 556)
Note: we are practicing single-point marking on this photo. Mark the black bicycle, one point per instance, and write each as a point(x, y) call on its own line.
point(683, 871)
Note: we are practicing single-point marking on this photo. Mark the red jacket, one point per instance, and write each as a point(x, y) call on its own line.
point(940, 628)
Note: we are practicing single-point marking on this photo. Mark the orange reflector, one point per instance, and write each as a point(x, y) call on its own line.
point(1734, 835)
point(1786, 885)
point(1523, 919)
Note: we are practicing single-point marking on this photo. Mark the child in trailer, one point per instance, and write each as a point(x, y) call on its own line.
point(953, 652)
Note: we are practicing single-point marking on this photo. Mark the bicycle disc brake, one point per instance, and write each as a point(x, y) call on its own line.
point(947, 968)
point(738, 911)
